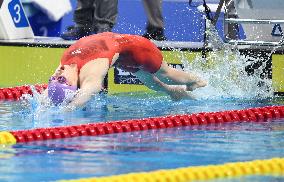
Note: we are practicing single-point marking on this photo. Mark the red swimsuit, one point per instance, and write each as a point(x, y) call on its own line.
point(135, 52)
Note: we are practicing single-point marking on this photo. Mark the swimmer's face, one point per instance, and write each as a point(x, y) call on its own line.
point(70, 72)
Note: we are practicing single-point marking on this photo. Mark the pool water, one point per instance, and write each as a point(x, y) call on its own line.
point(103, 107)
point(113, 154)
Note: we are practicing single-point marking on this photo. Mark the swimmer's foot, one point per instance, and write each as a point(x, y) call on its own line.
point(179, 92)
point(197, 84)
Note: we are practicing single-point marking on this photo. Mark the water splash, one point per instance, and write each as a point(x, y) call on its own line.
point(39, 111)
point(35, 108)
point(225, 70)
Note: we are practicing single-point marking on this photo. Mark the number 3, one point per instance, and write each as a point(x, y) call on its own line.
point(17, 9)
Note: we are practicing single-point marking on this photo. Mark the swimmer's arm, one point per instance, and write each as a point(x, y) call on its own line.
point(84, 94)
point(91, 82)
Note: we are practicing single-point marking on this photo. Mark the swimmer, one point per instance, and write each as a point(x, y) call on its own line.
point(85, 64)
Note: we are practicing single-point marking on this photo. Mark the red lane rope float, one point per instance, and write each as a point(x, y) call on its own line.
point(14, 93)
point(246, 115)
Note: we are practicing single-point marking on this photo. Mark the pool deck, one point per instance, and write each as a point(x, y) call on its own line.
point(57, 42)
point(60, 43)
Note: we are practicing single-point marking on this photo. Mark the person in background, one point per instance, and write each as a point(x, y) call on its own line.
point(91, 17)
point(85, 64)
point(155, 21)
point(231, 29)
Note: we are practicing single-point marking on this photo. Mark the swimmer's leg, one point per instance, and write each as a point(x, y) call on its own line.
point(176, 92)
point(174, 76)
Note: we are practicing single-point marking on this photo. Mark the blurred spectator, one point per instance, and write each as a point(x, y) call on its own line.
point(231, 29)
point(91, 17)
point(155, 24)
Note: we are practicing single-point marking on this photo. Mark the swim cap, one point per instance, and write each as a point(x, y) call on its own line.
point(58, 91)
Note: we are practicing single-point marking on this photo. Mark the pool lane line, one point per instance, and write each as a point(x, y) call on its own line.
point(15, 93)
point(93, 129)
point(271, 167)
point(7, 138)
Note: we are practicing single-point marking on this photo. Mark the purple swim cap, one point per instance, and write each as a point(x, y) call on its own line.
point(58, 90)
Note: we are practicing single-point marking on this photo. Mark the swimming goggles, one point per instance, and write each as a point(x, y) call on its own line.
point(60, 79)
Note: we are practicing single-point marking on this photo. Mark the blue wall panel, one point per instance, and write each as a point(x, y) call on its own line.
point(182, 22)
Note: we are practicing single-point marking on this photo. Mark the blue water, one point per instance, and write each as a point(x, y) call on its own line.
point(137, 151)
point(19, 115)
point(141, 151)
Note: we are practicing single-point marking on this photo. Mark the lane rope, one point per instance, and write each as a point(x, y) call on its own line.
point(15, 93)
point(271, 167)
point(6, 138)
point(93, 129)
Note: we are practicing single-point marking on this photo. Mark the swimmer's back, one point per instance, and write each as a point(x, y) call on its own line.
point(136, 50)
point(90, 48)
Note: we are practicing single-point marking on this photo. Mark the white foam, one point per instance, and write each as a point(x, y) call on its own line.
point(225, 71)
